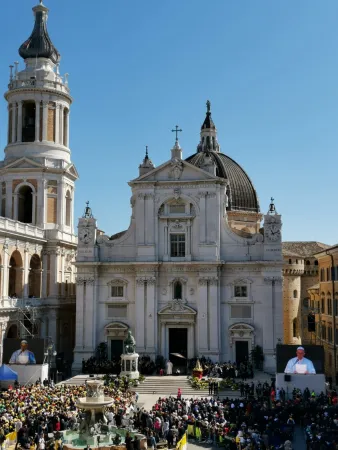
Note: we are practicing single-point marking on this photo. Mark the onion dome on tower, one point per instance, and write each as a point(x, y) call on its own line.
point(241, 192)
point(39, 44)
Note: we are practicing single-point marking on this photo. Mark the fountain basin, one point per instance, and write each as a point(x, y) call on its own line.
point(94, 402)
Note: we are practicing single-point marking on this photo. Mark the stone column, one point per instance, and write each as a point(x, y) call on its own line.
point(140, 231)
point(79, 321)
point(19, 128)
point(9, 198)
point(202, 318)
point(191, 341)
point(61, 124)
point(166, 243)
point(57, 123)
point(150, 318)
point(5, 277)
point(44, 274)
point(202, 218)
point(67, 129)
point(61, 204)
point(37, 120)
point(14, 122)
point(54, 273)
point(213, 316)
point(63, 255)
point(139, 307)
point(26, 270)
point(44, 121)
point(41, 202)
point(89, 314)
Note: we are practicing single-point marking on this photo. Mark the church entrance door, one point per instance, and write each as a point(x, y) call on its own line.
point(116, 348)
point(178, 343)
point(242, 351)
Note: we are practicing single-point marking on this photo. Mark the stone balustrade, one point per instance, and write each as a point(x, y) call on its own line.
point(22, 228)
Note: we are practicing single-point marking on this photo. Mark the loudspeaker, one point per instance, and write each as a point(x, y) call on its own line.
point(287, 377)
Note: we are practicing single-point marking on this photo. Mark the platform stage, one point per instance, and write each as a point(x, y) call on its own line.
point(290, 381)
point(30, 373)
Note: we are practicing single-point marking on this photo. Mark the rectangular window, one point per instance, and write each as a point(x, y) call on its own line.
point(177, 245)
point(241, 291)
point(328, 274)
point(117, 311)
point(117, 291)
point(240, 312)
point(177, 209)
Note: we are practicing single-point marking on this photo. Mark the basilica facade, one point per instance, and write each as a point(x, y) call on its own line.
point(194, 274)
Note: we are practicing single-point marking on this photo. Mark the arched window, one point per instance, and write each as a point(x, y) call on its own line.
point(178, 290)
point(290, 261)
point(15, 275)
point(34, 278)
point(25, 204)
point(68, 208)
point(13, 331)
point(295, 293)
point(294, 328)
point(28, 121)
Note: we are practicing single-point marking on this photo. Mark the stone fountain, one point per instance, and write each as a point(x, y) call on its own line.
point(95, 401)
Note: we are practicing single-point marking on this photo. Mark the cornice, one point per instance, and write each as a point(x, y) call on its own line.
point(10, 93)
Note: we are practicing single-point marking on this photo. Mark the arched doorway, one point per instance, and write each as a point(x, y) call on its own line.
point(12, 331)
point(34, 278)
point(25, 204)
point(15, 282)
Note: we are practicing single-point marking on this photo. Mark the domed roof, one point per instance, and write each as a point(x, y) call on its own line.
point(242, 194)
point(39, 44)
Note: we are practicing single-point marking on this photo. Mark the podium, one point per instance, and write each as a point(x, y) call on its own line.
point(30, 373)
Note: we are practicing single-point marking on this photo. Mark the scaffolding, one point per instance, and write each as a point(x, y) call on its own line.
point(26, 318)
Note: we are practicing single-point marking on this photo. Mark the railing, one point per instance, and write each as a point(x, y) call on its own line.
point(19, 227)
point(22, 84)
point(21, 303)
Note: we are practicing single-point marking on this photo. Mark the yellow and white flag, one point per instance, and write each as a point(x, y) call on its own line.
point(182, 444)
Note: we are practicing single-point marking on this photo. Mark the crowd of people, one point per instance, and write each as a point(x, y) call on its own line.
point(262, 417)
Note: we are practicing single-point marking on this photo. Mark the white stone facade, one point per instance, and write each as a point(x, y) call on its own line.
point(179, 266)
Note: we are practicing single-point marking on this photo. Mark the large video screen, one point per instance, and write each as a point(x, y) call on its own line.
point(21, 351)
point(300, 359)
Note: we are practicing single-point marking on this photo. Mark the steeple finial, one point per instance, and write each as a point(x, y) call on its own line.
point(208, 107)
point(146, 157)
point(87, 212)
point(272, 207)
point(39, 44)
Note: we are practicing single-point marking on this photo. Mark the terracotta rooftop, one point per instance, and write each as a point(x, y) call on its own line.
point(303, 249)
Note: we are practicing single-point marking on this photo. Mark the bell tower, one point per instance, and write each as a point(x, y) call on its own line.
point(37, 173)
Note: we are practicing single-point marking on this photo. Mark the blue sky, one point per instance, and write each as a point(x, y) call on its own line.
point(138, 68)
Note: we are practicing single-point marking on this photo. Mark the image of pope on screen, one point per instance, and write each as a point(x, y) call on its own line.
point(299, 364)
point(23, 355)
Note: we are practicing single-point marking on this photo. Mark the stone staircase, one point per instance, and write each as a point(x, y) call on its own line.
point(168, 385)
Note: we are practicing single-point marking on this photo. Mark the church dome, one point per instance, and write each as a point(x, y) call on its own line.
point(242, 195)
point(39, 44)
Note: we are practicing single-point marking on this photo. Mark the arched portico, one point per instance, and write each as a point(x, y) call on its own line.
point(241, 340)
point(177, 329)
point(15, 281)
point(116, 333)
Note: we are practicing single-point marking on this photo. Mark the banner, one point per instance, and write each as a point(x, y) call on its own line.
point(182, 444)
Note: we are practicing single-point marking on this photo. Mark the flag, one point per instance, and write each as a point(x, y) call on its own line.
point(182, 444)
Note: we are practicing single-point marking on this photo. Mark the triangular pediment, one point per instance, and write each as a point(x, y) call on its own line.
point(176, 170)
point(23, 163)
point(71, 169)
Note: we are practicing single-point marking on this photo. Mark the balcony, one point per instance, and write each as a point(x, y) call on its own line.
point(14, 226)
point(38, 84)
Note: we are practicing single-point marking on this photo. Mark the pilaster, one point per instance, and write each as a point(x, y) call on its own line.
point(140, 313)
point(44, 274)
point(54, 272)
point(9, 199)
point(14, 109)
point(19, 128)
point(26, 270)
point(202, 318)
point(151, 316)
point(37, 120)
point(5, 277)
point(44, 121)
